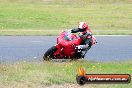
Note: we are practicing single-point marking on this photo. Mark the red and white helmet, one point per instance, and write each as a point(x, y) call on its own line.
point(83, 26)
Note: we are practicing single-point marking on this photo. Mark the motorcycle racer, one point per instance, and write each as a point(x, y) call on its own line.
point(72, 46)
point(85, 35)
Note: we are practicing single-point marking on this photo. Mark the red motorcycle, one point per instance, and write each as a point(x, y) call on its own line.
point(66, 47)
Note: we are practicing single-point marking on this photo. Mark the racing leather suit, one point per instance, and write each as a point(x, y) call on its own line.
point(86, 38)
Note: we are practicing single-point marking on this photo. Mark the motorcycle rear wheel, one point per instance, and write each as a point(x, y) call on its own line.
point(49, 54)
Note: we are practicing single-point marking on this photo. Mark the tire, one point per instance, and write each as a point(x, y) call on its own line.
point(49, 54)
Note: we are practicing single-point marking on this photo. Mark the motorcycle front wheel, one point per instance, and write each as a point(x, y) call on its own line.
point(49, 54)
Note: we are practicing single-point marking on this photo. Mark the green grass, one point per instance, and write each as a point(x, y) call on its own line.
point(104, 17)
point(30, 74)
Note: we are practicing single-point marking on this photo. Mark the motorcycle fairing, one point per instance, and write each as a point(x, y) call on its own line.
point(66, 44)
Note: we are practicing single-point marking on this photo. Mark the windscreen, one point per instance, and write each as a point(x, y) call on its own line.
point(69, 37)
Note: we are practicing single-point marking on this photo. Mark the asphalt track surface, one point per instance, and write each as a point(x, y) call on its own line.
point(32, 48)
